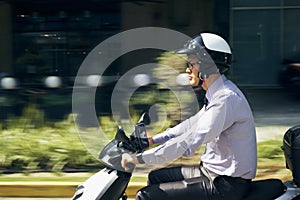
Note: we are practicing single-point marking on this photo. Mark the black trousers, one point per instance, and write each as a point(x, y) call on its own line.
point(193, 183)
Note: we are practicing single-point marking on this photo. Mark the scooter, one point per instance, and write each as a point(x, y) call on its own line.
point(111, 182)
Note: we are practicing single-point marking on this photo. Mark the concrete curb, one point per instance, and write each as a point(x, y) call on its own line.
point(51, 189)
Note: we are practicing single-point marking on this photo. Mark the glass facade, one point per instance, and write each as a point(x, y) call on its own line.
point(55, 41)
point(263, 33)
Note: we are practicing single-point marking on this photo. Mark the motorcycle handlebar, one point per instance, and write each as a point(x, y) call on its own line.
point(138, 140)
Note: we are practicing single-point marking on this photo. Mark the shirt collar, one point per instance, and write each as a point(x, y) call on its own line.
point(214, 87)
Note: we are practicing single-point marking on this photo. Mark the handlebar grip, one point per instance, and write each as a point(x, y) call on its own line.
point(130, 166)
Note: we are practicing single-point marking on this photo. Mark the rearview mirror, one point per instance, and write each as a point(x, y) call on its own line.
point(145, 119)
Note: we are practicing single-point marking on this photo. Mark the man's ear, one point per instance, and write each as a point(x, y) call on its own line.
point(201, 76)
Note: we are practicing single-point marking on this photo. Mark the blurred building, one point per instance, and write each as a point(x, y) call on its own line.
point(262, 34)
point(47, 37)
point(40, 38)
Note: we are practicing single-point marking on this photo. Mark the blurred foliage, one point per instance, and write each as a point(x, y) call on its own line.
point(270, 149)
point(181, 99)
point(31, 118)
point(271, 161)
point(108, 126)
point(167, 61)
point(28, 143)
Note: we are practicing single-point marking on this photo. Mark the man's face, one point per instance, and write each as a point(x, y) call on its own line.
point(193, 69)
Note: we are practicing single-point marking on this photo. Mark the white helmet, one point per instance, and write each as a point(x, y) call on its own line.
point(212, 50)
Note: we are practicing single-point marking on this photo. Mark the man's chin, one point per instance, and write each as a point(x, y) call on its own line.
point(193, 83)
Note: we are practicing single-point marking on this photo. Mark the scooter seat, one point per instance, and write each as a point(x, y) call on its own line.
point(268, 189)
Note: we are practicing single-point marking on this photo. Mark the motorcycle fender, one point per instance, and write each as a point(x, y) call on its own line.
point(94, 187)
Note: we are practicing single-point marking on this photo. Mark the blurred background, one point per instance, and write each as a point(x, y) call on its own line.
point(43, 43)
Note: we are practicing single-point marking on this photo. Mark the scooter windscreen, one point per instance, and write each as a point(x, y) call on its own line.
point(111, 155)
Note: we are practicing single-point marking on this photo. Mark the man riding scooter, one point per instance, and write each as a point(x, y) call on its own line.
point(224, 124)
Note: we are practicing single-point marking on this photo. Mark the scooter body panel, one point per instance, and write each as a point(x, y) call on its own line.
point(292, 191)
point(95, 186)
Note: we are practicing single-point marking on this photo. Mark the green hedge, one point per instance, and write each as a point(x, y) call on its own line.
point(29, 143)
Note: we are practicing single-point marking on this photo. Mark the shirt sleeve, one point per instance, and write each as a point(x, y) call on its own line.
point(176, 130)
point(186, 137)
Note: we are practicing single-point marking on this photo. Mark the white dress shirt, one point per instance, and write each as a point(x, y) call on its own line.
point(225, 125)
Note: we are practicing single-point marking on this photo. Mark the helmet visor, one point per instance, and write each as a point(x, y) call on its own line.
point(191, 47)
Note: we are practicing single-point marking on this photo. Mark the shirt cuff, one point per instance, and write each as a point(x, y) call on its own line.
point(159, 138)
point(155, 139)
point(140, 158)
